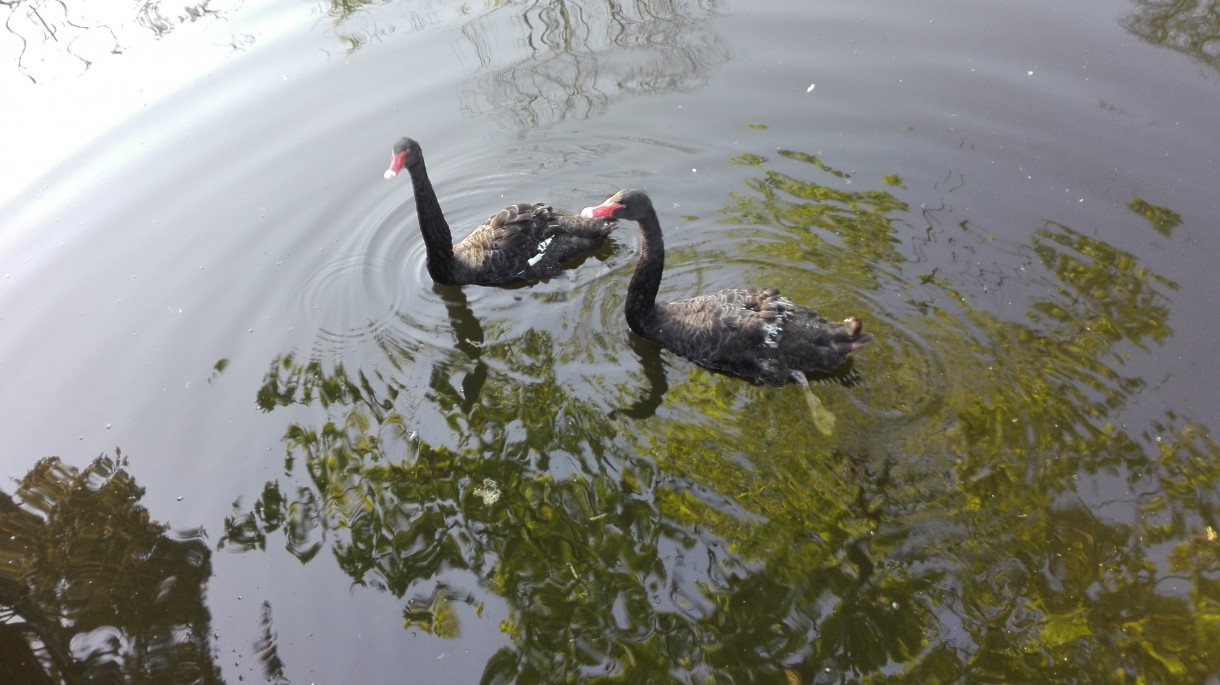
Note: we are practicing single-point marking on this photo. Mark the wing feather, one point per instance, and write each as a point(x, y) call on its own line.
point(526, 242)
point(756, 334)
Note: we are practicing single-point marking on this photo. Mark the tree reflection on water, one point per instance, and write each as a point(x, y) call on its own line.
point(579, 57)
point(986, 516)
point(1188, 26)
point(92, 589)
point(984, 512)
point(54, 39)
point(717, 535)
point(566, 60)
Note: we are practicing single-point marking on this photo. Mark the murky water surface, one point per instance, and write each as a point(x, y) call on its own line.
point(247, 439)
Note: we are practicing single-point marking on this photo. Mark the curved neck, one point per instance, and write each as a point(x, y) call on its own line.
point(438, 240)
point(641, 306)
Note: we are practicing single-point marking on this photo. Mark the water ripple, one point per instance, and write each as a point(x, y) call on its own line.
point(903, 398)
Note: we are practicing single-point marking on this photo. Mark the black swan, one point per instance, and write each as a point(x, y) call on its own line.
point(751, 334)
point(522, 242)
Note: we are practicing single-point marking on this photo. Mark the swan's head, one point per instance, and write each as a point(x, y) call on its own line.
point(631, 205)
point(406, 153)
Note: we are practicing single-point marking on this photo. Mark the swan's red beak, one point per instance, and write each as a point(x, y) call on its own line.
point(601, 211)
point(397, 161)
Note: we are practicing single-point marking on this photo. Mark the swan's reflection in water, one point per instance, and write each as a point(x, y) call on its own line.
point(652, 363)
point(468, 337)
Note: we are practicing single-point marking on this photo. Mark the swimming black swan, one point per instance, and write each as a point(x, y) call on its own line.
point(522, 242)
point(752, 334)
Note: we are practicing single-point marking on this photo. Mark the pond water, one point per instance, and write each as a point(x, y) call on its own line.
point(247, 439)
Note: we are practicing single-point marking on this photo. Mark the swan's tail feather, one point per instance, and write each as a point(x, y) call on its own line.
point(850, 336)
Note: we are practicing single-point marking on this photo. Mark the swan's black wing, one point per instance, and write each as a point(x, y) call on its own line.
point(526, 242)
point(756, 334)
point(713, 330)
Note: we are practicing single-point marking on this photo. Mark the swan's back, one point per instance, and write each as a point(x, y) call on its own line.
point(527, 241)
point(755, 334)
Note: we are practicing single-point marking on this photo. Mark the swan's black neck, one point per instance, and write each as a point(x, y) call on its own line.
point(641, 306)
point(438, 239)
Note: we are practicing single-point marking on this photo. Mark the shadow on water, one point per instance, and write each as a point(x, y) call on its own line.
point(1003, 527)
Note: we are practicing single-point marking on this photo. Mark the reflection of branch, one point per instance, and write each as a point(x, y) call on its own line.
point(24, 44)
point(15, 601)
point(349, 15)
point(150, 17)
point(50, 31)
point(57, 28)
point(576, 61)
point(268, 651)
